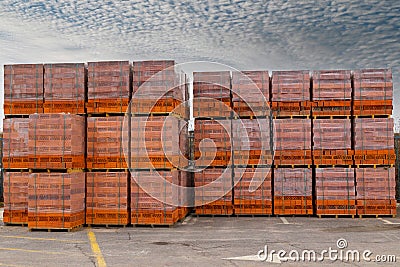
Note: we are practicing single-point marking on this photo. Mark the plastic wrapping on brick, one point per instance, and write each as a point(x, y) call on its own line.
point(56, 200)
point(248, 201)
point(335, 184)
point(105, 146)
point(292, 134)
point(56, 141)
point(250, 85)
point(373, 134)
point(373, 92)
point(376, 183)
point(108, 86)
point(291, 85)
point(107, 198)
point(64, 88)
point(331, 85)
point(293, 191)
point(213, 191)
point(151, 143)
point(212, 94)
point(214, 152)
point(162, 87)
point(153, 195)
point(373, 84)
point(376, 191)
point(335, 191)
point(23, 89)
point(15, 143)
point(332, 134)
point(15, 185)
point(293, 182)
point(251, 141)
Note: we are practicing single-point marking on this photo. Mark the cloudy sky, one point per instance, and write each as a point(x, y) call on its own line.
point(272, 35)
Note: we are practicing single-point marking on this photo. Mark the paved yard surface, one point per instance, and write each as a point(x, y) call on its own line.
point(205, 241)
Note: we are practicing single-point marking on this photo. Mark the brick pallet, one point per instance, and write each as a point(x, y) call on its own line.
point(213, 194)
point(56, 141)
point(335, 191)
point(251, 142)
point(108, 86)
point(331, 93)
point(152, 145)
point(376, 191)
point(64, 88)
point(56, 200)
point(107, 198)
point(212, 95)
point(23, 89)
point(253, 191)
point(216, 152)
point(292, 142)
point(293, 191)
point(332, 142)
point(290, 93)
point(373, 92)
point(105, 143)
point(157, 88)
point(247, 89)
point(15, 197)
point(153, 195)
point(15, 143)
point(373, 141)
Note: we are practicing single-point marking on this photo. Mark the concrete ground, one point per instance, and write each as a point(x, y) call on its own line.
point(204, 241)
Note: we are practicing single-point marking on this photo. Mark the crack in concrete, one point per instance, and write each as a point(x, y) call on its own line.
point(90, 257)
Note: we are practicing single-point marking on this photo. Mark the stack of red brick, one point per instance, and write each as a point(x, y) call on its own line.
point(247, 89)
point(57, 144)
point(15, 197)
point(332, 142)
point(292, 142)
point(158, 143)
point(373, 92)
point(56, 200)
point(212, 142)
point(291, 108)
point(293, 191)
point(331, 93)
point(158, 88)
point(252, 161)
point(107, 198)
point(108, 87)
point(335, 191)
point(107, 143)
point(291, 93)
point(15, 143)
point(212, 95)
point(376, 191)
point(23, 89)
point(64, 88)
point(374, 154)
point(56, 141)
point(373, 141)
